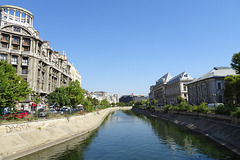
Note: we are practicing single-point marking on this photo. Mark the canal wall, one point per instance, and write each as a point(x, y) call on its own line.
point(19, 139)
point(220, 130)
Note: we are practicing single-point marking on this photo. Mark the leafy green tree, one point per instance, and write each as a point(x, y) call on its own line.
point(74, 93)
point(36, 98)
point(236, 62)
point(232, 89)
point(88, 106)
point(59, 97)
point(154, 102)
point(121, 104)
point(104, 103)
point(13, 88)
point(95, 102)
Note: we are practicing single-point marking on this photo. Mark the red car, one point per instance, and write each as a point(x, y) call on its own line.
point(18, 114)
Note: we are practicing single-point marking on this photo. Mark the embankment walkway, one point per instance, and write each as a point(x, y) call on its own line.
point(19, 139)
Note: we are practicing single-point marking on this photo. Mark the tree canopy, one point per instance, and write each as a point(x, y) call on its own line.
point(74, 93)
point(236, 62)
point(13, 88)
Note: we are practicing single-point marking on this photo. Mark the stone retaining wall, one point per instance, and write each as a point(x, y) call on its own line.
point(19, 139)
point(224, 132)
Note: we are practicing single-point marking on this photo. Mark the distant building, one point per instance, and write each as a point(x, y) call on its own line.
point(101, 95)
point(167, 89)
point(128, 98)
point(209, 88)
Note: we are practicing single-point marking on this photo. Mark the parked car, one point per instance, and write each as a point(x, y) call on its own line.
point(42, 112)
point(53, 111)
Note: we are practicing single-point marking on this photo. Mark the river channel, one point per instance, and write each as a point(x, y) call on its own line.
point(125, 135)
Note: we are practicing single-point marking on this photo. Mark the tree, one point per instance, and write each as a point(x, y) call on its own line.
point(59, 97)
point(13, 88)
point(74, 93)
point(154, 102)
point(236, 62)
point(104, 103)
point(232, 89)
point(95, 101)
point(88, 105)
point(180, 99)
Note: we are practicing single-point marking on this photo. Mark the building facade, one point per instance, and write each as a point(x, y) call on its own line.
point(101, 95)
point(167, 89)
point(42, 67)
point(209, 88)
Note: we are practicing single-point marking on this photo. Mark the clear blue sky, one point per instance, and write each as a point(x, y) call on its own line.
point(124, 46)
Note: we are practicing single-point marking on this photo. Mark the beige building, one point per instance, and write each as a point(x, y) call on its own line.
point(75, 74)
point(33, 58)
point(167, 89)
point(101, 95)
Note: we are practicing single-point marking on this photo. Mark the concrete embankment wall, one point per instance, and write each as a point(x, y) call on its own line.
point(18, 139)
point(223, 132)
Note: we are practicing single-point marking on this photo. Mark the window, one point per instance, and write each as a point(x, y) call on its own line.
point(24, 70)
point(25, 61)
point(15, 47)
point(14, 60)
point(5, 38)
point(184, 88)
point(220, 99)
point(16, 29)
point(26, 42)
point(25, 48)
point(16, 40)
point(3, 57)
point(4, 45)
point(219, 85)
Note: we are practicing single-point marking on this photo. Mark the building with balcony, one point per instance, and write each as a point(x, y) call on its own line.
point(209, 88)
point(42, 67)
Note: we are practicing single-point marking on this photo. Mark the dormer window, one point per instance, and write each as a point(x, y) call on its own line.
point(16, 29)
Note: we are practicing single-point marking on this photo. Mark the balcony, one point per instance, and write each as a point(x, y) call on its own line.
point(4, 49)
point(24, 64)
point(13, 62)
point(14, 51)
point(4, 40)
point(16, 42)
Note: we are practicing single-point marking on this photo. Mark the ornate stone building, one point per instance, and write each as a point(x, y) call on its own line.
point(167, 89)
point(33, 58)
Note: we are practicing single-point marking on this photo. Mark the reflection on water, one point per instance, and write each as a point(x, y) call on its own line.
point(126, 135)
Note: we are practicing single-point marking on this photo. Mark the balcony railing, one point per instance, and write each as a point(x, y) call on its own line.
point(4, 49)
point(24, 64)
point(5, 40)
point(14, 62)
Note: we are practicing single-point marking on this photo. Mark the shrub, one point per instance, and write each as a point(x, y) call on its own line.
point(225, 109)
point(189, 108)
point(202, 108)
point(182, 106)
point(238, 112)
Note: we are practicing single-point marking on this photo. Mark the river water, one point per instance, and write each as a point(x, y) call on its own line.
point(127, 136)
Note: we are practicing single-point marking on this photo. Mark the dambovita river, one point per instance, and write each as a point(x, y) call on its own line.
point(125, 135)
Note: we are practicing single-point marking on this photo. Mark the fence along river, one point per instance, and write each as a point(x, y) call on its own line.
point(125, 135)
